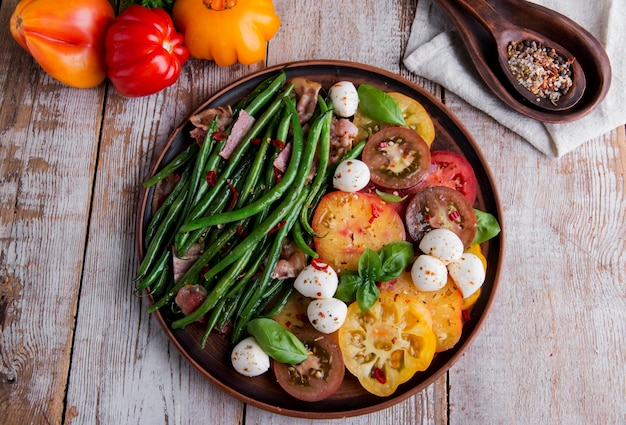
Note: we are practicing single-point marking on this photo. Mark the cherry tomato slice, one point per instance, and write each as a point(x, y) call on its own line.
point(319, 376)
point(452, 170)
point(398, 158)
point(441, 206)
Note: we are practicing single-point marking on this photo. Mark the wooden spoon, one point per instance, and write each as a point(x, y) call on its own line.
point(504, 32)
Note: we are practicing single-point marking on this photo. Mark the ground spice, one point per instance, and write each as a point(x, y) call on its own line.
point(540, 69)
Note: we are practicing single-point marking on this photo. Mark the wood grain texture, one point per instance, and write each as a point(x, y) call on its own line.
point(76, 347)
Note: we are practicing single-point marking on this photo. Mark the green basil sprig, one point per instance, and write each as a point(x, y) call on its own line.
point(387, 265)
point(277, 342)
point(487, 227)
point(378, 105)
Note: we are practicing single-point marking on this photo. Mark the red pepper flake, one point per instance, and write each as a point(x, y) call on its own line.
point(219, 135)
point(379, 375)
point(255, 141)
point(278, 226)
point(241, 231)
point(211, 178)
point(278, 144)
point(278, 175)
point(235, 195)
point(454, 215)
point(376, 210)
point(466, 316)
point(319, 264)
point(204, 270)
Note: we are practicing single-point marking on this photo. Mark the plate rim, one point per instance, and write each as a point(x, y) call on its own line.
point(477, 323)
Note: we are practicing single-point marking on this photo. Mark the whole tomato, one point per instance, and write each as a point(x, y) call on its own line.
point(66, 37)
point(144, 53)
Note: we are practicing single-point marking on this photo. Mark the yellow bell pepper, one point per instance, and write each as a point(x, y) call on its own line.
point(226, 31)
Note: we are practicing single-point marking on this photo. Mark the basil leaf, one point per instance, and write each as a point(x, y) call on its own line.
point(487, 227)
point(349, 282)
point(367, 295)
point(390, 197)
point(277, 342)
point(378, 105)
point(395, 257)
point(369, 265)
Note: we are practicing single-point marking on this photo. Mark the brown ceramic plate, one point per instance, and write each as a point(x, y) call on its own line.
point(351, 399)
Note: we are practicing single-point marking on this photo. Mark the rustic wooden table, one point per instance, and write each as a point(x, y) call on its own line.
point(76, 347)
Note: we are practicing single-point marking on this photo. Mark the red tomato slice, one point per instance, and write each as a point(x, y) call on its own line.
point(398, 158)
point(441, 207)
point(452, 170)
point(319, 376)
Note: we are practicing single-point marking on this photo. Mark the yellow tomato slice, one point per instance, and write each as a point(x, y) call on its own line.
point(444, 306)
point(385, 346)
point(415, 117)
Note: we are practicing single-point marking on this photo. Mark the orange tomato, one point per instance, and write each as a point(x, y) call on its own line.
point(65, 37)
point(349, 223)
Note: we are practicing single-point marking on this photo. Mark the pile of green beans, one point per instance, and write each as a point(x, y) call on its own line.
point(244, 217)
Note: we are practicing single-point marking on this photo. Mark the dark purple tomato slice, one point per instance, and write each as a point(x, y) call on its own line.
point(397, 157)
point(319, 376)
point(452, 170)
point(441, 207)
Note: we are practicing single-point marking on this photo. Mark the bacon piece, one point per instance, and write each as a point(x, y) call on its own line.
point(292, 261)
point(282, 159)
point(240, 128)
point(189, 298)
point(182, 264)
point(306, 94)
point(203, 119)
point(342, 135)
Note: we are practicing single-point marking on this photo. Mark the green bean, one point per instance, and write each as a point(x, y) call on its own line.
point(209, 253)
point(162, 234)
point(163, 279)
point(254, 173)
point(294, 170)
point(262, 98)
point(155, 221)
point(280, 302)
point(298, 238)
point(320, 177)
point(156, 272)
point(231, 165)
point(178, 161)
point(200, 164)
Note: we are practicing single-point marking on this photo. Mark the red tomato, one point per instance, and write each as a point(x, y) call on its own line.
point(452, 170)
point(66, 38)
point(144, 53)
point(398, 158)
point(319, 376)
point(441, 207)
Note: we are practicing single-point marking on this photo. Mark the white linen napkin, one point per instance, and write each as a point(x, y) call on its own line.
point(435, 51)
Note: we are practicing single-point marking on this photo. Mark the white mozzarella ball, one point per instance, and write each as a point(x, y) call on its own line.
point(344, 98)
point(351, 175)
point(327, 314)
point(317, 280)
point(249, 359)
point(429, 273)
point(468, 273)
point(443, 244)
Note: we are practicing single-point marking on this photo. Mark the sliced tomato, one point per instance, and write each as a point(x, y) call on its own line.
point(415, 116)
point(349, 223)
point(441, 206)
point(386, 345)
point(398, 158)
point(444, 305)
point(320, 375)
point(452, 170)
